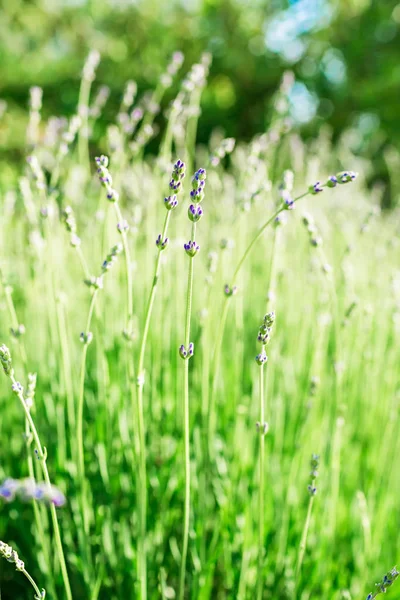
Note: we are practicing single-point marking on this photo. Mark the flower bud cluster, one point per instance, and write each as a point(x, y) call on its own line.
point(175, 185)
point(312, 490)
point(105, 178)
point(5, 360)
point(11, 555)
point(37, 172)
point(68, 218)
point(315, 238)
point(31, 390)
point(111, 257)
point(387, 580)
point(264, 336)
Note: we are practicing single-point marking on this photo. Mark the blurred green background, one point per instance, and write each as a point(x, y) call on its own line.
point(345, 55)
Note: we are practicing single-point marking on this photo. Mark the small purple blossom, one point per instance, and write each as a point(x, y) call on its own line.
point(261, 358)
point(160, 243)
point(175, 186)
point(332, 181)
point(195, 213)
point(346, 176)
point(123, 226)
point(191, 248)
point(186, 354)
point(230, 291)
point(171, 202)
point(287, 199)
point(316, 188)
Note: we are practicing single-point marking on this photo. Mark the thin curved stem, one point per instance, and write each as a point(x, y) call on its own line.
point(32, 582)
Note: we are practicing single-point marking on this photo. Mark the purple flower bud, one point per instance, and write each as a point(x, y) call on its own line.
point(287, 199)
point(170, 202)
point(230, 291)
point(102, 161)
point(175, 185)
point(261, 358)
point(316, 188)
point(332, 181)
point(186, 354)
point(8, 489)
point(112, 195)
point(312, 490)
point(191, 248)
point(346, 176)
point(195, 213)
point(161, 245)
point(123, 226)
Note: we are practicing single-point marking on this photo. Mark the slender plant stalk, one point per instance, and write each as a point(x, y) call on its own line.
point(303, 541)
point(261, 508)
point(186, 424)
point(140, 415)
point(79, 421)
point(42, 455)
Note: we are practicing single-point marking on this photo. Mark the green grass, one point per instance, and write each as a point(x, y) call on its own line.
point(350, 417)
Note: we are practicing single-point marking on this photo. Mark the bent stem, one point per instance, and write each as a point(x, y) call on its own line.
point(186, 425)
point(42, 455)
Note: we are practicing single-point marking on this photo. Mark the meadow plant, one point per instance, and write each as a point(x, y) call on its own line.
point(186, 351)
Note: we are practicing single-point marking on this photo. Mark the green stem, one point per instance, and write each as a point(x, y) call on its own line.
point(33, 584)
point(79, 423)
point(261, 490)
point(186, 425)
point(128, 265)
point(303, 541)
point(43, 457)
